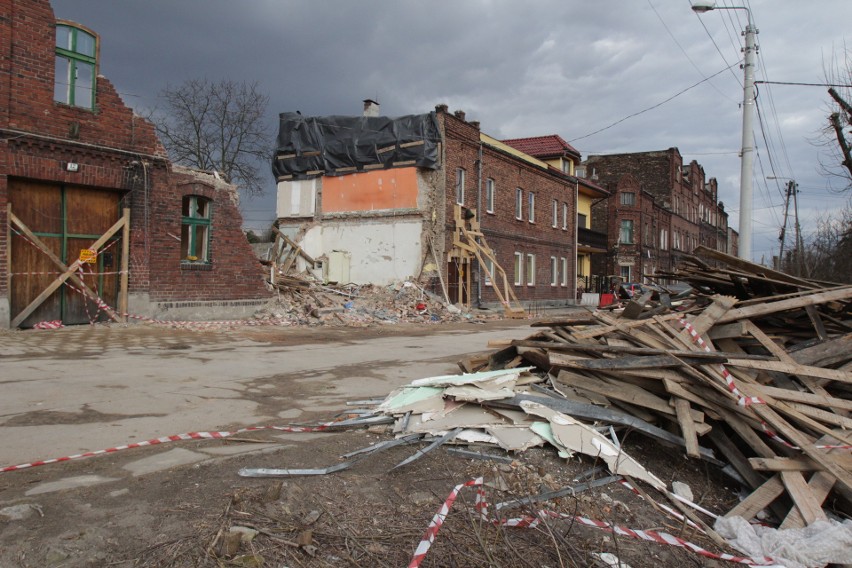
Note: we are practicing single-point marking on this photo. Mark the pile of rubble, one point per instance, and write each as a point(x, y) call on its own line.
point(314, 304)
point(752, 374)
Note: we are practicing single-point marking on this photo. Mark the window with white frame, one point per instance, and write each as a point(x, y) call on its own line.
point(519, 268)
point(628, 198)
point(564, 262)
point(488, 271)
point(489, 195)
point(625, 235)
point(530, 270)
point(624, 272)
point(664, 239)
point(519, 203)
point(564, 216)
point(460, 185)
point(555, 214)
point(531, 207)
point(554, 271)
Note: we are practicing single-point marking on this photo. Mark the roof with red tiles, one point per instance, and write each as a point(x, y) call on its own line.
point(548, 146)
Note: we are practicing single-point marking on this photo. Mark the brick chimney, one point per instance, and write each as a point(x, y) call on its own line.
point(371, 107)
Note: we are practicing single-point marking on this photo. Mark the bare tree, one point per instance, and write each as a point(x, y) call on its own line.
point(828, 253)
point(217, 126)
point(838, 133)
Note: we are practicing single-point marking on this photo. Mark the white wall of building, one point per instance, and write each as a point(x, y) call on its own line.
point(382, 250)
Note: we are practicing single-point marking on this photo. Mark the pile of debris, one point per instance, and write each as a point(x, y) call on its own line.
point(317, 304)
point(304, 298)
point(752, 374)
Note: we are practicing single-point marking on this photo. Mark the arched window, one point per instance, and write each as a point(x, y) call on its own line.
point(76, 62)
point(195, 229)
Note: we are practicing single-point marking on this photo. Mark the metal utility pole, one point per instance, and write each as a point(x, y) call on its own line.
point(782, 237)
point(747, 152)
point(793, 187)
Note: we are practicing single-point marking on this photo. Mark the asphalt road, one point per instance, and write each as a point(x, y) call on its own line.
point(87, 388)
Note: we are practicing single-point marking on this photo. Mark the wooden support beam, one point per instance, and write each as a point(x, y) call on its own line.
point(68, 274)
point(125, 265)
point(759, 499)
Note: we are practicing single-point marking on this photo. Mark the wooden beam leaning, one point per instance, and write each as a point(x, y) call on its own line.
point(767, 308)
point(69, 274)
point(125, 265)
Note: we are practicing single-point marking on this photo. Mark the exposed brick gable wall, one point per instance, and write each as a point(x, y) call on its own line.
point(116, 151)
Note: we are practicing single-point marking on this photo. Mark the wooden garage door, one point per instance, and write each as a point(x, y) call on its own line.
point(66, 219)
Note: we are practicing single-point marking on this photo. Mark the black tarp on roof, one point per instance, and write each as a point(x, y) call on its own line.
point(337, 145)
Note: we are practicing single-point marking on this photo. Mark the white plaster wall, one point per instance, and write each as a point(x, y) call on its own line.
point(383, 250)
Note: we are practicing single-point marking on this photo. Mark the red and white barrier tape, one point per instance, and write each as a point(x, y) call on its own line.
point(528, 521)
point(745, 401)
point(166, 439)
point(742, 400)
point(52, 324)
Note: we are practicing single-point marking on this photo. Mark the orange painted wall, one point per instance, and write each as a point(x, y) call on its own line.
point(370, 191)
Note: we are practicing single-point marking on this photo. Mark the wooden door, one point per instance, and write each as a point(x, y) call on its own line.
point(66, 219)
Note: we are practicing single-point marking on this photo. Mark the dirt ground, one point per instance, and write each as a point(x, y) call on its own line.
point(367, 515)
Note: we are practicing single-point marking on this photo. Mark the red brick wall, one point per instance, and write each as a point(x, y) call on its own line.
point(233, 273)
point(116, 151)
point(506, 234)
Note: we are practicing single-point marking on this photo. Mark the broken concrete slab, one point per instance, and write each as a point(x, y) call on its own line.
point(164, 461)
point(69, 483)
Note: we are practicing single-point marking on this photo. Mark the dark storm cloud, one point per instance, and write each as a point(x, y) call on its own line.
point(520, 68)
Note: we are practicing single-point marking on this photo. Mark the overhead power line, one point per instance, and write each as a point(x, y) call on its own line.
point(804, 84)
point(659, 104)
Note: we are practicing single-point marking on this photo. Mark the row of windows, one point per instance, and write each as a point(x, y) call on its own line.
point(491, 195)
point(680, 241)
point(525, 266)
point(692, 213)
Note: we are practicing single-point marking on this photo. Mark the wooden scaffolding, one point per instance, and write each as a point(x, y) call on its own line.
point(469, 243)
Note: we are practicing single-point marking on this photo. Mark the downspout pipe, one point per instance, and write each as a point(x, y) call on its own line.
point(479, 218)
point(573, 286)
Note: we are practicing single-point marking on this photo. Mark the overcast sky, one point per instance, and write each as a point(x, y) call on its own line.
point(567, 67)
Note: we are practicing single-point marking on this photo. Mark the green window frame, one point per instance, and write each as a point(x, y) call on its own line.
point(76, 67)
point(195, 229)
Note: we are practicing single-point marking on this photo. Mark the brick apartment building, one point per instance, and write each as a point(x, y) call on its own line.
point(658, 210)
point(95, 218)
point(394, 218)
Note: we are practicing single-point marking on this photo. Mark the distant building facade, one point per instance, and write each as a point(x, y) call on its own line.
point(659, 210)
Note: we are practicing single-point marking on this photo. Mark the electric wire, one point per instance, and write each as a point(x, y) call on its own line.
point(677, 43)
point(661, 103)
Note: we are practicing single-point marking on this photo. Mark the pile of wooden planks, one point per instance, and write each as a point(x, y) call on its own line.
point(757, 364)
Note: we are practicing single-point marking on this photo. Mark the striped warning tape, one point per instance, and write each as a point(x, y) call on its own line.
point(529, 521)
point(173, 438)
point(743, 400)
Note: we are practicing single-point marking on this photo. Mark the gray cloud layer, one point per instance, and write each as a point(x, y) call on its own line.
point(569, 67)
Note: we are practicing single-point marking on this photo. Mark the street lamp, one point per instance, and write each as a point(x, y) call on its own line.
point(747, 153)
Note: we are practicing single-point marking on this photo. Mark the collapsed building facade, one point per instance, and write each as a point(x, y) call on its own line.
point(428, 197)
point(97, 222)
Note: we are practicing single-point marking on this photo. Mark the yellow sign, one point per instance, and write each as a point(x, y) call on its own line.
point(88, 255)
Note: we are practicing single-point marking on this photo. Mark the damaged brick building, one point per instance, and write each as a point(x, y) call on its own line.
point(97, 221)
point(381, 200)
point(659, 209)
